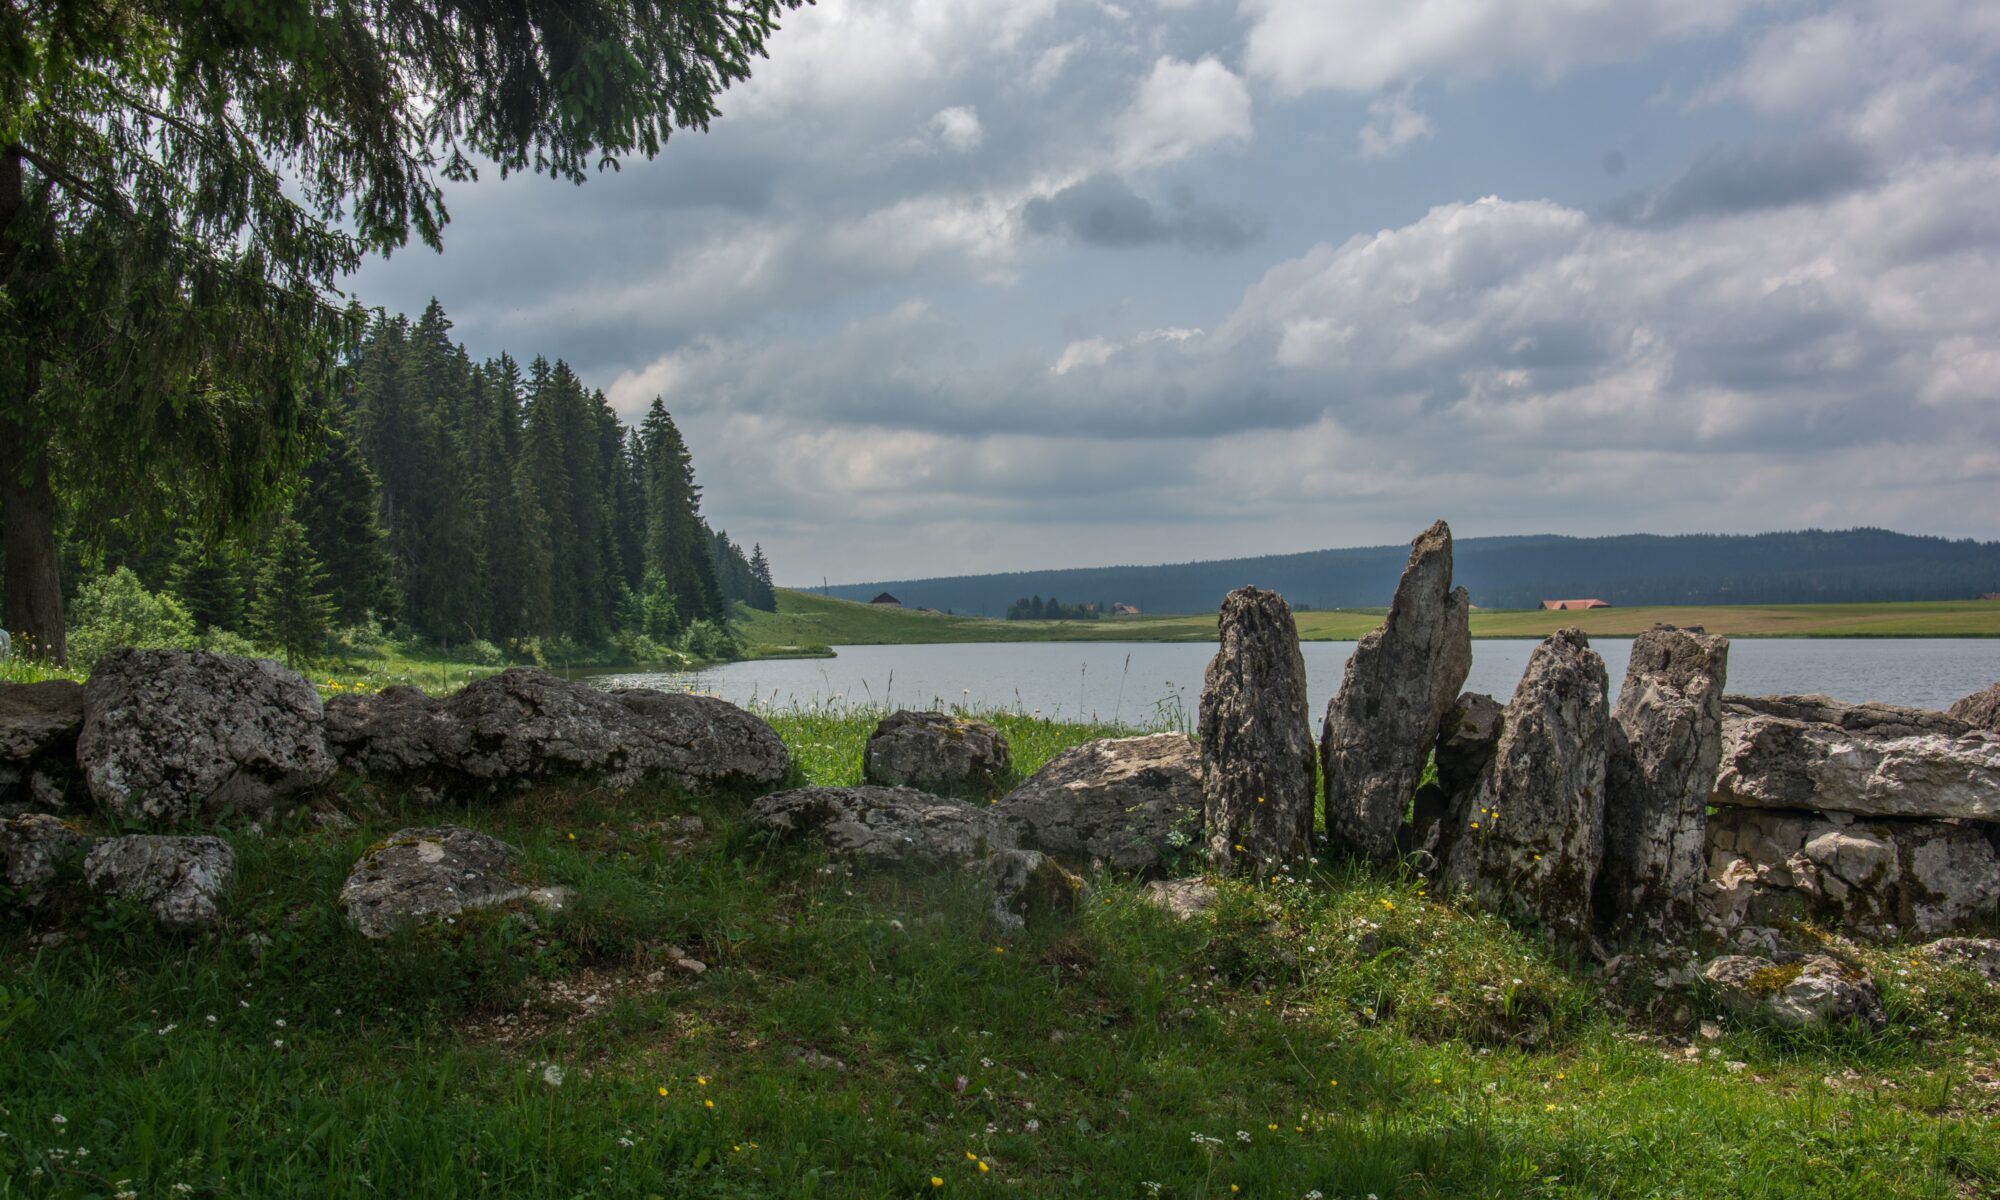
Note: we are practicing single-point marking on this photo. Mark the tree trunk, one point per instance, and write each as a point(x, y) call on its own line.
point(33, 601)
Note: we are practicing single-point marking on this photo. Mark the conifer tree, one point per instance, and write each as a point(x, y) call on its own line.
point(207, 578)
point(765, 595)
point(292, 607)
point(341, 512)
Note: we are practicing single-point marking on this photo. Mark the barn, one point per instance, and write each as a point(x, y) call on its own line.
point(1572, 605)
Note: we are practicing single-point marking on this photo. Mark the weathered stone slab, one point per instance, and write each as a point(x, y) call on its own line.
point(1981, 710)
point(1808, 752)
point(182, 880)
point(174, 735)
point(1666, 741)
point(34, 847)
point(937, 752)
point(1121, 802)
point(423, 875)
point(1257, 764)
point(1527, 839)
point(1393, 701)
point(1807, 994)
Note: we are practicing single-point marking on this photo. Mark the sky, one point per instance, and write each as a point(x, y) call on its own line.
point(959, 286)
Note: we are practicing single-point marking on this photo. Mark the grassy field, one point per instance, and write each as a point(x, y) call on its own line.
point(1334, 1035)
point(809, 621)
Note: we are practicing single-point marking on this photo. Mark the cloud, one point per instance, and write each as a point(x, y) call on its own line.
point(957, 128)
point(1392, 124)
point(1736, 179)
point(1102, 210)
point(1300, 46)
point(1090, 352)
point(1182, 108)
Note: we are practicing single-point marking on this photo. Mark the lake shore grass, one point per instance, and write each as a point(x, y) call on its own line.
point(804, 619)
point(1334, 1034)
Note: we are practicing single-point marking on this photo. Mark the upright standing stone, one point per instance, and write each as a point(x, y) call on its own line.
point(1256, 749)
point(1400, 685)
point(1666, 741)
point(1527, 838)
point(1981, 710)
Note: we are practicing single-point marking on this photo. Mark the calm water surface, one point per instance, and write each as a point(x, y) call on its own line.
point(1151, 683)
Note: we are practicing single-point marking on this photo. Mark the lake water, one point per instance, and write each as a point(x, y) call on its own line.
point(1153, 683)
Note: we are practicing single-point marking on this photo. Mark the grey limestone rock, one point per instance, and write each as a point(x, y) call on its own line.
point(1807, 994)
point(1257, 765)
point(39, 724)
point(1399, 687)
point(937, 752)
point(183, 880)
point(1666, 740)
point(33, 849)
point(1527, 838)
point(885, 826)
point(1981, 710)
point(175, 735)
point(1121, 802)
point(1808, 752)
point(423, 875)
point(1978, 955)
point(1183, 898)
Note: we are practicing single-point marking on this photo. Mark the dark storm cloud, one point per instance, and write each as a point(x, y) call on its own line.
point(1735, 179)
point(1102, 210)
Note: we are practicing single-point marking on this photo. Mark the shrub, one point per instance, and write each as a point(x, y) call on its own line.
point(116, 610)
point(706, 640)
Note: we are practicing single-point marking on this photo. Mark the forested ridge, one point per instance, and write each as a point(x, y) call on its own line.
point(1804, 567)
point(452, 504)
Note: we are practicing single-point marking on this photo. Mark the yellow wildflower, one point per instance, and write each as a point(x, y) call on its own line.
point(937, 1181)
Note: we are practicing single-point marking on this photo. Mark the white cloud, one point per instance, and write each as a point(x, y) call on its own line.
point(1368, 45)
point(1088, 352)
point(1181, 108)
point(958, 127)
point(1393, 123)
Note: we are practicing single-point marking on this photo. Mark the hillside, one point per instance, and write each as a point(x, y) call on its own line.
point(1808, 567)
point(807, 622)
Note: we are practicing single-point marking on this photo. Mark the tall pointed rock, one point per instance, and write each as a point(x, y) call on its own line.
point(1401, 682)
point(1256, 745)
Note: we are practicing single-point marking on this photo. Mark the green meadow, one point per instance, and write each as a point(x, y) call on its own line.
point(1333, 1034)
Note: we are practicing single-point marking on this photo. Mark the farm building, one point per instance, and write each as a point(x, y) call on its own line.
point(887, 600)
point(1125, 610)
point(1572, 605)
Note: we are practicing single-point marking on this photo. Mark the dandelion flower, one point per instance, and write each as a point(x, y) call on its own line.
point(983, 1168)
point(1475, 824)
point(971, 1157)
point(708, 1104)
point(664, 1092)
point(937, 1181)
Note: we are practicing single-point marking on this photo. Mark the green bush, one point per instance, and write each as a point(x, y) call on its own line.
point(116, 610)
point(706, 640)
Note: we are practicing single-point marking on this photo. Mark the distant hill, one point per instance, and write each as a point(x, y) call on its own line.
point(1808, 567)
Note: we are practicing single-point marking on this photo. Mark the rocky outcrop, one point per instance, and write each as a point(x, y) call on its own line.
point(937, 752)
point(1527, 838)
point(183, 881)
point(1393, 701)
point(1881, 878)
point(525, 726)
point(1184, 899)
point(1807, 994)
point(1981, 710)
point(175, 735)
point(1809, 752)
point(1125, 803)
point(1666, 741)
point(1258, 785)
point(39, 724)
point(886, 828)
point(34, 848)
point(424, 875)
point(1981, 956)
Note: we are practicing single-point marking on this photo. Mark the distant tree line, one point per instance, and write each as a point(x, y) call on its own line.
point(456, 502)
point(1808, 566)
point(1034, 608)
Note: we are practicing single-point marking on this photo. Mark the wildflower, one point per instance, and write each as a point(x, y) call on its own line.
point(1389, 906)
point(1272, 1128)
point(1548, 1108)
point(937, 1181)
point(278, 1043)
point(702, 1080)
point(210, 1018)
point(1260, 799)
point(1233, 1188)
point(1333, 1083)
point(999, 949)
point(1239, 849)
point(572, 837)
point(280, 1022)
point(58, 1119)
point(166, 1029)
point(708, 1104)
point(1475, 824)
point(664, 1092)
point(983, 1168)
point(1243, 1135)
point(971, 1157)
point(625, 1141)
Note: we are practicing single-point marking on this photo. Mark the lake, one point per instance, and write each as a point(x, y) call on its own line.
point(1154, 683)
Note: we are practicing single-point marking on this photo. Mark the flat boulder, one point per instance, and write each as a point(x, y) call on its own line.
point(1882, 878)
point(937, 752)
point(524, 726)
point(1981, 710)
point(1809, 993)
point(1127, 803)
point(1394, 699)
point(183, 881)
point(39, 724)
point(424, 875)
point(1981, 956)
point(885, 826)
point(1183, 899)
point(1809, 752)
point(34, 848)
point(1527, 838)
point(178, 735)
point(1666, 740)
point(1257, 765)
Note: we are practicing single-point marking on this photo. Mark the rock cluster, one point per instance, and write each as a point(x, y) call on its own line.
point(937, 752)
point(183, 881)
point(1125, 803)
point(525, 726)
point(1257, 768)
point(1809, 992)
point(39, 724)
point(1393, 700)
point(1873, 818)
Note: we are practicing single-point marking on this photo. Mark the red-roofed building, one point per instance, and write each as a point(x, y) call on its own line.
point(1572, 605)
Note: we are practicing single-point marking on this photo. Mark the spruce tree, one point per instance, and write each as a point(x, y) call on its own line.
point(292, 607)
point(341, 513)
point(765, 593)
point(207, 578)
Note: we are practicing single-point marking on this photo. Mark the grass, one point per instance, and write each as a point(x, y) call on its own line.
point(813, 623)
point(1338, 1033)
